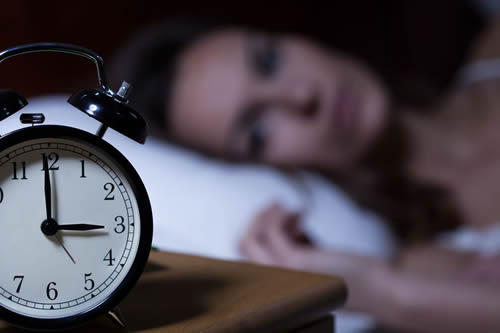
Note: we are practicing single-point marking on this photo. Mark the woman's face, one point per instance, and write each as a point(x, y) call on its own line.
point(275, 99)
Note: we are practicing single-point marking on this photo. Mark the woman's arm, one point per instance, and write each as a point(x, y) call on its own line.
point(425, 304)
point(436, 261)
point(487, 46)
point(422, 292)
point(433, 289)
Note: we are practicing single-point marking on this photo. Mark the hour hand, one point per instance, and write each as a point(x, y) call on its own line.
point(79, 227)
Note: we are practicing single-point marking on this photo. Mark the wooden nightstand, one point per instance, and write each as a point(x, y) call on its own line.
point(181, 293)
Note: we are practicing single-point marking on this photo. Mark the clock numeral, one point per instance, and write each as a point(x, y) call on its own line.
point(20, 277)
point(14, 166)
point(109, 258)
point(109, 187)
point(51, 157)
point(83, 169)
point(89, 281)
point(52, 292)
point(1, 195)
point(120, 228)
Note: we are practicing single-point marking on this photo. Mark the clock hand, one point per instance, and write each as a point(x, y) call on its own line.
point(48, 190)
point(79, 227)
point(49, 226)
point(65, 249)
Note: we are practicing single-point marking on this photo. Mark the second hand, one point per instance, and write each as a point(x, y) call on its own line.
point(65, 249)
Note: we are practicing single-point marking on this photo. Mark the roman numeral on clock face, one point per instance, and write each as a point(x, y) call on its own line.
point(22, 170)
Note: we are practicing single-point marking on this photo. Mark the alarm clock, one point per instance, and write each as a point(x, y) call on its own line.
point(75, 217)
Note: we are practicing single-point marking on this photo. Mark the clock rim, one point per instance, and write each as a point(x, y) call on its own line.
point(145, 213)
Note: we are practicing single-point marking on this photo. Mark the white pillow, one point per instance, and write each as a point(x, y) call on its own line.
point(202, 206)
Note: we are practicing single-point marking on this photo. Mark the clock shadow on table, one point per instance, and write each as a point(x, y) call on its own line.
point(156, 301)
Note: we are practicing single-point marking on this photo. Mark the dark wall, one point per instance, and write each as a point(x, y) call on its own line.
point(402, 38)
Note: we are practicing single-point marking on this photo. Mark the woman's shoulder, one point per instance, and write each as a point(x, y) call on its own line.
point(487, 45)
point(482, 62)
point(477, 84)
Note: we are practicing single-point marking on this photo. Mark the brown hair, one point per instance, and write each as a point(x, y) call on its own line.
point(415, 211)
point(148, 62)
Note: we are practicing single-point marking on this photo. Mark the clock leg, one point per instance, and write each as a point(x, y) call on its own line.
point(117, 317)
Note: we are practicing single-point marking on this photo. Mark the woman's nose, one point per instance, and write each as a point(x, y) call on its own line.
point(297, 96)
point(304, 98)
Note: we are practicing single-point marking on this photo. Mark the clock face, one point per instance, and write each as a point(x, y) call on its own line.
point(76, 267)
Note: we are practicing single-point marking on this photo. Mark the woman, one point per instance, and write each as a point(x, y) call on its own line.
point(289, 102)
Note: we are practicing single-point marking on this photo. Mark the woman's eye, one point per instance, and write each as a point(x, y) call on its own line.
point(267, 59)
point(257, 137)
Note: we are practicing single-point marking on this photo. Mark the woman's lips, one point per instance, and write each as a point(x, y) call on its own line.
point(344, 109)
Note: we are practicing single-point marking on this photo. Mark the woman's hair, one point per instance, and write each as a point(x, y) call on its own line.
point(149, 61)
point(414, 211)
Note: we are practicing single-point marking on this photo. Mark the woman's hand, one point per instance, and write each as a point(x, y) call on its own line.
point(276, 238)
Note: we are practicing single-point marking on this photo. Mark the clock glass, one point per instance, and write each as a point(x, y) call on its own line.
point(70, 225)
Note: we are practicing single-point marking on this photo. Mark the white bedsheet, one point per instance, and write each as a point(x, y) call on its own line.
point(486, 241)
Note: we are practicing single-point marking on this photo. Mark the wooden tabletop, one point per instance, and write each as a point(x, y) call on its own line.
point(180, 293)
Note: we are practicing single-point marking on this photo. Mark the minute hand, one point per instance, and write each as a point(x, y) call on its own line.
point(79, 227)
point(47, 189)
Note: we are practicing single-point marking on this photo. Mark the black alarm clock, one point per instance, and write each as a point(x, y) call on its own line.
point(75, 218)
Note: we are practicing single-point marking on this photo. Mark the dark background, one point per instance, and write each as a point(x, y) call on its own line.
point(416, 44)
